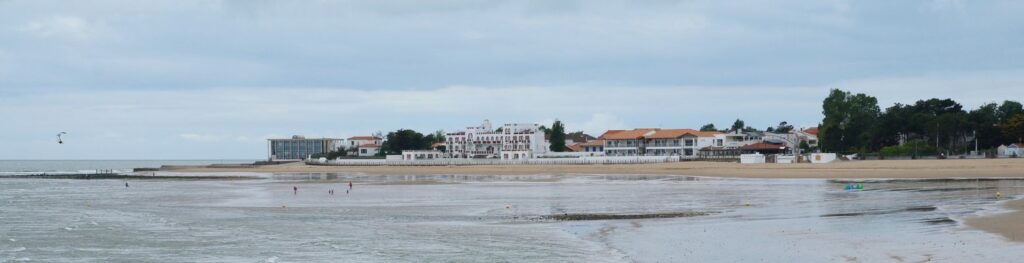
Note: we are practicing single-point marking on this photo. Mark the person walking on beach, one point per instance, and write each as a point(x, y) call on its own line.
point(349, 185)
point(125, 184)
point(295, 189)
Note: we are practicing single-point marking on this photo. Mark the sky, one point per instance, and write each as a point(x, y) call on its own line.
point(214, 79)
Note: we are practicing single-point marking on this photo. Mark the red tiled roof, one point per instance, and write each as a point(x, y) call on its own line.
point(627, 135)
point(812, 131)
point(364, 138)
point(657, 133)
point(762, 146)
point(574, 148)
point(598, 142)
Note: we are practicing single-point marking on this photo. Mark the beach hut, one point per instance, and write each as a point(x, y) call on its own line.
point(1012, 150)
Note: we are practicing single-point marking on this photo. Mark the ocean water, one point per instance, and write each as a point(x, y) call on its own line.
point(412, 218)
point(9, 167)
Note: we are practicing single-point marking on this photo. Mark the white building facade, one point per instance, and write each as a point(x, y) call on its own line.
point(519, 140)
point(685, 143)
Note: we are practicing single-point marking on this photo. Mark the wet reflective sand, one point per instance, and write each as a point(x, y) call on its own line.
point(415, 218)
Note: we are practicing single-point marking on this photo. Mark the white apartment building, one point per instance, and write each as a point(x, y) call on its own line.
point(657, 142)
point(512, 141)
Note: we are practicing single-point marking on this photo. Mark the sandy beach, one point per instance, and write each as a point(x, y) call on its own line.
point(1009, 225)
point(898, 169)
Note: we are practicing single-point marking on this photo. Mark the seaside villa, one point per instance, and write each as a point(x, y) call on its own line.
point(657, 142)
point(511, 141)
point(357, 141)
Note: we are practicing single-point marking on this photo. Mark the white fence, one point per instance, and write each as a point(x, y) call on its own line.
point(457, 162)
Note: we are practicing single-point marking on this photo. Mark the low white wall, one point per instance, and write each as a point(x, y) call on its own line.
point(550, 161)
point(752, 158)
point(823, 157)
point(785, 159)
point(568, 154)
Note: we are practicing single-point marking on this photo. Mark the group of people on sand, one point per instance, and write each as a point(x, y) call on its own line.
point(295, 189)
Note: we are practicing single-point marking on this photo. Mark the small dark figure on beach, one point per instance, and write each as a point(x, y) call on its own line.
point(295, 189)
point(350, 185)
point(346, 191)
point(125, 184)
point(330, 192)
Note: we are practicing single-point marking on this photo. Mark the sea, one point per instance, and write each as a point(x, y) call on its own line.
point(295, 217)
point(16, 167)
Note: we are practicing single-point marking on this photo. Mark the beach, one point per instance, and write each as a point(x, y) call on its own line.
point(1009, 224)
point(500, 218)
point(896, 169)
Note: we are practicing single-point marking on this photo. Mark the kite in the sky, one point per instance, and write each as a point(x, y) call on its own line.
point(59, 140)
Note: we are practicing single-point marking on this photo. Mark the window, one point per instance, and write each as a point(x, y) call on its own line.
point(689, 152)
point(362, 151)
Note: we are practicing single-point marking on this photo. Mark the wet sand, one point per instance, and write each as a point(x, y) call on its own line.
point(1009, 225)
point(895, 169)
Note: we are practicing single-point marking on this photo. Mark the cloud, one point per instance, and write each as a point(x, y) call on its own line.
point(598, 124)
point(67, 28)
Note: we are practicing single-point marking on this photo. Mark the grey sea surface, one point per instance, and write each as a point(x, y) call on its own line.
point(16, 167)
point(466, 218)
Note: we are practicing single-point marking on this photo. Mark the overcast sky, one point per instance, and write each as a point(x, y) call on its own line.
point(214, 79)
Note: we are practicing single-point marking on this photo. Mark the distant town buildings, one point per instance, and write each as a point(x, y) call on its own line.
point(300, 148)
point(510, 141)
point(517, 141)
point(656, 142)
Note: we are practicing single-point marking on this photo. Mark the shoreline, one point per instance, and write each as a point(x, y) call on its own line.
point(1009, 225)
point(874, 169)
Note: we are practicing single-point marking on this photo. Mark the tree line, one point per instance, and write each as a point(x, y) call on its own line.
point(854, 123)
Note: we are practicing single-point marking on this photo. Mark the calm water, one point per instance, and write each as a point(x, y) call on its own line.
point(79, 166)
point(403, 218)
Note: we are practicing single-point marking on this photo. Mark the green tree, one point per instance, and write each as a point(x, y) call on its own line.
point(804, 147)
point(984, 123)
point(403, 139)
point(738, 125)
point(783, 127)
point(848, 121)
point(1013, 129)
point(1009, 109)
point(547, 132)
point(708, 127)
point(557, 137)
